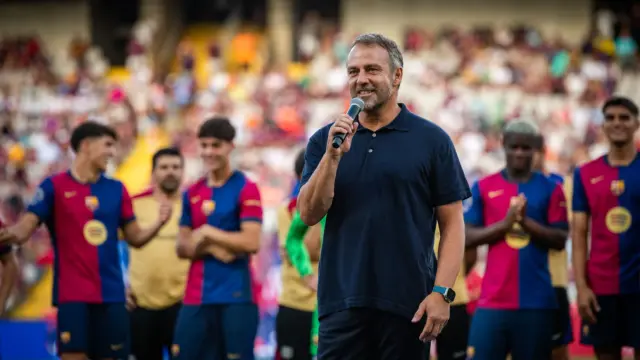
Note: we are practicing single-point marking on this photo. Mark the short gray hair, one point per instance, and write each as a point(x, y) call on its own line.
point(369, 39)
point(522, 127)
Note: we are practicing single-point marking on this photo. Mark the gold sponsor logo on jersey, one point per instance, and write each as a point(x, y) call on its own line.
point(618, 220)
point(91, 202)
point(69, 194)
point(195, 199)
point(617, 187)
point(95, 232)
point(517, 238)
point(208, 206)
point(495, 194)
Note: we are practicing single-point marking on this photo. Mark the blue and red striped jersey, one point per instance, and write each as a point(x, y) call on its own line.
point(83, 221)
point(556, 177)
point(517, 270)
point(611, 196)
point(211, 281)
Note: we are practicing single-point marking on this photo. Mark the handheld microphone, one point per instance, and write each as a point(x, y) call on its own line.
point(354, 109)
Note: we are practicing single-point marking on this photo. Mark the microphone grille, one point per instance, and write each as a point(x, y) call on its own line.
point(357, 102)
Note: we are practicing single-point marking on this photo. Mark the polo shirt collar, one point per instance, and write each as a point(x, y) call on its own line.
point(400, 123)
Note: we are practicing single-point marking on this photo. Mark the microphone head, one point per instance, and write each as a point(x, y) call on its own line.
point(357, 102)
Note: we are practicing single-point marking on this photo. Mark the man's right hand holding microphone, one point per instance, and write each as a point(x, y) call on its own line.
point(344, 124)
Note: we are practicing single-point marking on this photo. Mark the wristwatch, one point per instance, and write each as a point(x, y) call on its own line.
point(447, 293)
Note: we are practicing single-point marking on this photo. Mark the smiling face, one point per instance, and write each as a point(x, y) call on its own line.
point(619, 125)
point(372, 76)
point(215, 153)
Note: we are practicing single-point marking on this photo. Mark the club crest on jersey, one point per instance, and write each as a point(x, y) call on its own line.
point(175, 349)
point(91, 202)
point(617, 187)
point(65, 337)
point(471, 352)
point(208, 206)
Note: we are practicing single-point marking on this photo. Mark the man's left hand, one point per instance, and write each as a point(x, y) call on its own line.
point(436, 309)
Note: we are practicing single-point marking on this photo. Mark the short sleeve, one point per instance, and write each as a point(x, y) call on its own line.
point(473, 214)
point(557, 212)
point(250, 203)
point(579, 197)
point(126, 208)
point(42, 202)
point(313, 154)
point(447, 182)
point(185, 217)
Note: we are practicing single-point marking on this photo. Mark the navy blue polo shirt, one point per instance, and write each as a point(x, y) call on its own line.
point(377, 250)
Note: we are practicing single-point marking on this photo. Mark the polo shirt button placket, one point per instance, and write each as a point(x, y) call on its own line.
point(373, 135)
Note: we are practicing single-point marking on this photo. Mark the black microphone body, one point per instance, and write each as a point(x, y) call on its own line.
point(354, 109)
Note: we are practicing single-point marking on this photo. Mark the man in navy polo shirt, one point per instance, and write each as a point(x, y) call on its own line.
point(381, 293)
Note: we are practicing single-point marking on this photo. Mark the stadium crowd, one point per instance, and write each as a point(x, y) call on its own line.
point(469, 82)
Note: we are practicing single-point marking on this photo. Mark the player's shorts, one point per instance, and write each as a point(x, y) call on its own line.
point(152, 331)
point(525, 334)
point(361, 333)
point(97, 330)
point(618, 323)
point(215, 331)
point(451, 344)
point(293, 329)
point(562, 330)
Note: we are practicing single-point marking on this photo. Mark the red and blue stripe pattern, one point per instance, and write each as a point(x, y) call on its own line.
point(211, 281)
point(517, 273)
point(611, 197)
point(83, 220)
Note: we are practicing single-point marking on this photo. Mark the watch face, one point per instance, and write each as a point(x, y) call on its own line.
point(451, 295)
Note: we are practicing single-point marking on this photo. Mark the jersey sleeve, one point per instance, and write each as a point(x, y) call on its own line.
point(557, 212)
point(448, 183)
point(42, 203)
point(473, 207)
point(185, 217)
point(579, 199)
point(296, 250)
point(313, 154)
point(126, 208)
point(250, 203)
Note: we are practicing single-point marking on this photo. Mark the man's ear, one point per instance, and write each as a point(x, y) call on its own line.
point(397, 77)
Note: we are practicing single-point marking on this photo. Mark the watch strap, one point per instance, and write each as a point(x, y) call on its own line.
point(442, 290)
